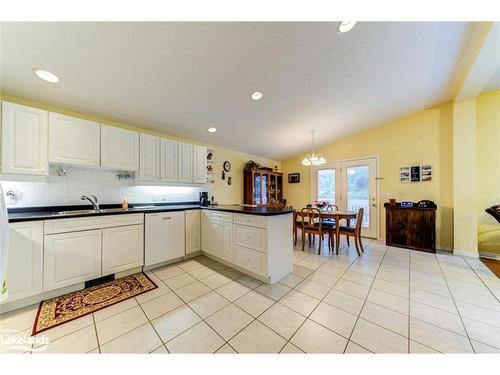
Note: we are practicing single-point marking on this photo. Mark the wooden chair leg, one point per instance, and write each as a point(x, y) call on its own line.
point(314, 238)
point(295, 236)
point(320, 237)
point(309, 235)
point(329, 241)
point(303, 239)
point(361, 244)
point(357, 246)
point(348, 244)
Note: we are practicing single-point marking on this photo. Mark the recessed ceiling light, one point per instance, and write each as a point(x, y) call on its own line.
point(212, 130)
point(45, 75)
point(345, 26)
point(257, 95)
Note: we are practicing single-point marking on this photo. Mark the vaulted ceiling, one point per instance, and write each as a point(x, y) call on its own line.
point(181, 78)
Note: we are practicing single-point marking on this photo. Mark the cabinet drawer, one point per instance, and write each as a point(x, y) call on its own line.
point(253, 238)
point(252, 220)
point(91, 222)
point(251, 260)
point(221, 216)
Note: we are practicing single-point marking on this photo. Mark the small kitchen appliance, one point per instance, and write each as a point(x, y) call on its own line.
point(204, 198)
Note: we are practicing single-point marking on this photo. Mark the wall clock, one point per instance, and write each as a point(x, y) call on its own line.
point(227, 166)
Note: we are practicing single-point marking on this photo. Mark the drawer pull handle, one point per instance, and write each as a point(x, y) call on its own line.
point(166, 218)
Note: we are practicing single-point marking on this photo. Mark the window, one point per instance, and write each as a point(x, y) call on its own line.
point(326, 185)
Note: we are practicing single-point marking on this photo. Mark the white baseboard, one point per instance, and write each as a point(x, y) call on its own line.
point(465, 253)
point(493, 256)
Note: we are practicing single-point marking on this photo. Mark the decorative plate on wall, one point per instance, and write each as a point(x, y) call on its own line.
point(227, 166)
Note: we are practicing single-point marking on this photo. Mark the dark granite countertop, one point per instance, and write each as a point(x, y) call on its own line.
point(263, 211)
point(50, 212)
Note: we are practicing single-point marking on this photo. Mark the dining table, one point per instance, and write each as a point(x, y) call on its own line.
point(336, 215)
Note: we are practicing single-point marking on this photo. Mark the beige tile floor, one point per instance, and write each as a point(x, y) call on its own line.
point(388, 300)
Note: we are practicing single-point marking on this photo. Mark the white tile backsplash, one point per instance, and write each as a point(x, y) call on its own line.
point(104, 184)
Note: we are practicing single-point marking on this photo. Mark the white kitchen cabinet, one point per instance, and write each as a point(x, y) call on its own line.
point(25, 262)
point(199, 164)
point(164, 237)
point(149, 158)
point(71, 258)
point(168, 163)
point(185, 162)
point(193, 231)
point(209, 236)
point(24, 139)
point(119, 148)
point(225, 237)
point(122, 248)
point(73, 141)
point(257, 245)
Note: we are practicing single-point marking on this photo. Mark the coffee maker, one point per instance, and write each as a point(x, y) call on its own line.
point(204, 198)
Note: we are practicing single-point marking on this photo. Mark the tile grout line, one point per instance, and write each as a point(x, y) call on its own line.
point(409, 303)
point(456, 307)
point(364, 302)
point(308, 317)
point(480, 278)
point(96, 335)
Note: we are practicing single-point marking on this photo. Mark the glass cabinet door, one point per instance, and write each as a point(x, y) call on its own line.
point(256, 188)
point(264, 189)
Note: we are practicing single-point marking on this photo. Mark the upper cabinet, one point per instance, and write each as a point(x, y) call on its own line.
point(119, 148)
point(199, 164)
point(185, 162)
point(168, 160)
point(73, 141)
point(24, 140)
point(149, 158)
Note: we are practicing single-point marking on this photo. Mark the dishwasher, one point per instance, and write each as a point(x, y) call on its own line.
point(164, 237)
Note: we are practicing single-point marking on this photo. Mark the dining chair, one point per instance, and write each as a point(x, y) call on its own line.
point(355, 231)
point(312, 224)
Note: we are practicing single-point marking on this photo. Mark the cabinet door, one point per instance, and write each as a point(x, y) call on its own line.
point(226, 242)
point(200, 164)
point(422, 233)
point(193, 231)
point(73, 141)
point(165, 237)
point(25, 262)
point(122, 248)
point(397, 230)
point(150, 158)
point(119, 148)
point(71, 258)
point(24, 139)
point(168, 160)
point(185, 162)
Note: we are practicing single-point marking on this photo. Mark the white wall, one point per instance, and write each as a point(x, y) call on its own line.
point(102, 183)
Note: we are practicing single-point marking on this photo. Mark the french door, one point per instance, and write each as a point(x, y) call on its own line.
point(350, 185)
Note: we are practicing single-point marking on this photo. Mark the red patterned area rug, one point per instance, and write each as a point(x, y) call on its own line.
point(60, 310)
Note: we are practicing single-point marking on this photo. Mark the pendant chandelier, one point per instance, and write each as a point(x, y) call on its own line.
point(313, 158)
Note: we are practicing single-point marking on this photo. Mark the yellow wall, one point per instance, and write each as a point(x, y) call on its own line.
point(425, 137)
point(464, 178)
point(223, 193)
point(488, 169)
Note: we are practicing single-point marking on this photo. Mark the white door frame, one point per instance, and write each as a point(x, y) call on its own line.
point(335, 164)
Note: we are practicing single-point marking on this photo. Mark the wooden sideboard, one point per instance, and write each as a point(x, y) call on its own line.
point(410, 227)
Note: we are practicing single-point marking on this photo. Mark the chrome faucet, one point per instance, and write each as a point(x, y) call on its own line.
point(94, 202)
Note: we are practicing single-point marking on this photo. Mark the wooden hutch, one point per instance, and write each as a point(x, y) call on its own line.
point(262, 187)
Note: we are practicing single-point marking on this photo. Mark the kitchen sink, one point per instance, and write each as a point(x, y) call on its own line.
point(76, 212)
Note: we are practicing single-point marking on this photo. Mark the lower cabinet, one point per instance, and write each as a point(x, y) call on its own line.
point(217, 237)
point(250, 260)
point(25, 262)
point(71, 258)
point(193, 231)
point(122, 248)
